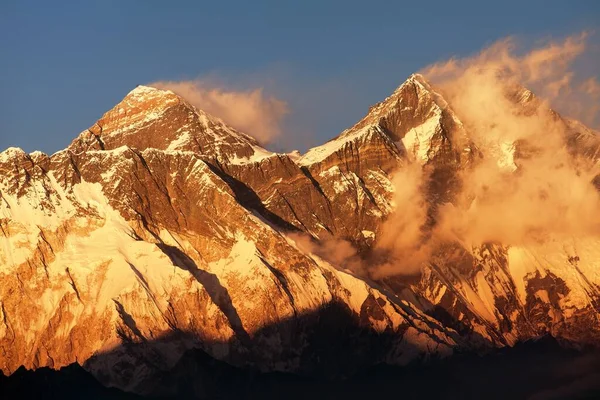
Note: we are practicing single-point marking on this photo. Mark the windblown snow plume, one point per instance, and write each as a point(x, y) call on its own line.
point(250, 111)
point(549, 70)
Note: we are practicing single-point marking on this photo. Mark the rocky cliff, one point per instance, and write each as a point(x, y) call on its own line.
point(160, 229)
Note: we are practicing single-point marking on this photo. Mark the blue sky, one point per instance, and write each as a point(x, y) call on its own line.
point(65, 63)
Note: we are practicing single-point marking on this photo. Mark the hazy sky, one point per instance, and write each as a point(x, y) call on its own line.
point(64, 63)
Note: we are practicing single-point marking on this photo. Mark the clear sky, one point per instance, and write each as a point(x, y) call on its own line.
point(64, 63)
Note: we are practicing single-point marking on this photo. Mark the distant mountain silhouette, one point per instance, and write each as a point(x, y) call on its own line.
point(536, 370)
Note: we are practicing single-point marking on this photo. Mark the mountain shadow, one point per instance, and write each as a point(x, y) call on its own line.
point(534, 370)
point(217, 292)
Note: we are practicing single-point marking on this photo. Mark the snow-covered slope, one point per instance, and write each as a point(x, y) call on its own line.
point(165, 230)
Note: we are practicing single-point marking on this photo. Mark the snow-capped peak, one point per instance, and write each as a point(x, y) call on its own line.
point(161, 219)
point(418, 79)
point(154, 118)
point(148, 99)
point(413, 107)
point(11, 153)
point(141, 90)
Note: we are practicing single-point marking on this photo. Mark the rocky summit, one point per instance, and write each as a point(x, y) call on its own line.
point(161, 230)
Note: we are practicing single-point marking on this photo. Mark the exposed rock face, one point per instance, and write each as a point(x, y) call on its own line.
point(150, 118)
point(161, 229)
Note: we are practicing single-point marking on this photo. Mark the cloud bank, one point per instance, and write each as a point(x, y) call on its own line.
point(250, 111)
point(527, 186)
point(550, 70)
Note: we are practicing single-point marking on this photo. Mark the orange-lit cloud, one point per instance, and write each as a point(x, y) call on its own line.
point(401, 236)
point(528, 185)
point(250, 111)
point(338, 252)
point(549, 70)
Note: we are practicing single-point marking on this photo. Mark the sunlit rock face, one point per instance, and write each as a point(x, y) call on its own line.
point(160, 229)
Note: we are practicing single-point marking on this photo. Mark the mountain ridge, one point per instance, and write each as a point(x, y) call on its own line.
point(161, 219)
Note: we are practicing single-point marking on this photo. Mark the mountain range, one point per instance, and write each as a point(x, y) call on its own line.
point(161, 231)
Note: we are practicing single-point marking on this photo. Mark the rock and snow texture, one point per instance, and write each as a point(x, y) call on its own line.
point(166, 230)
